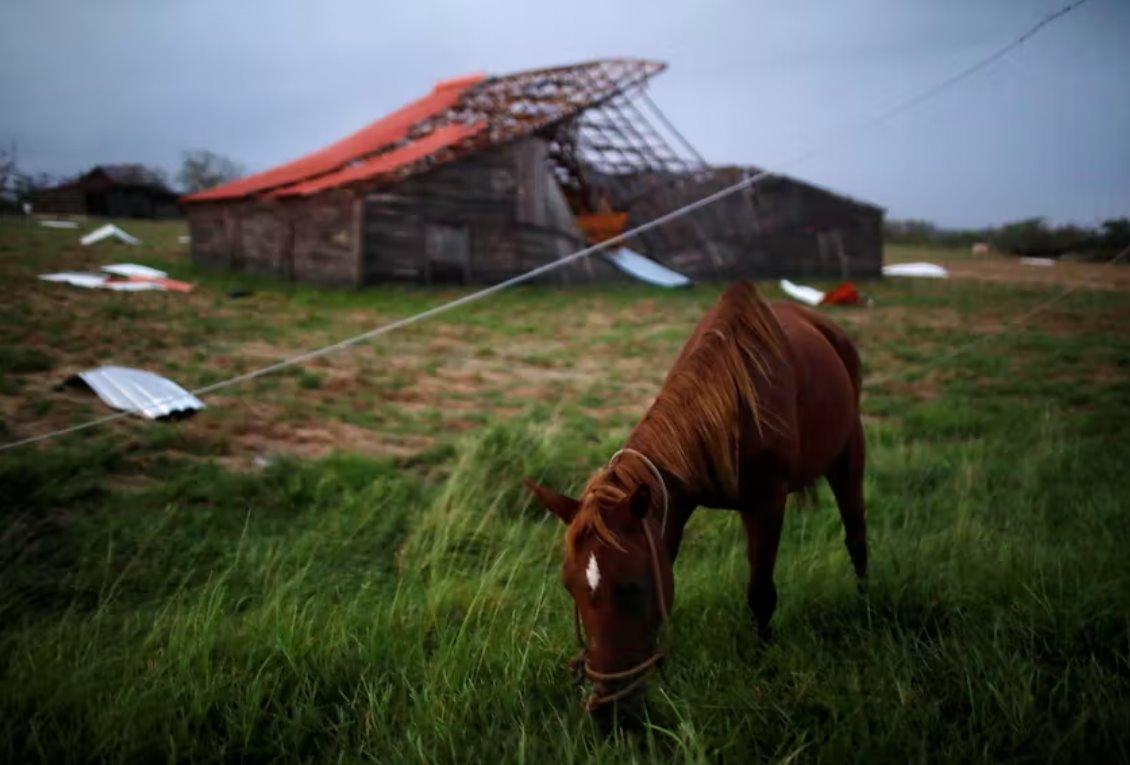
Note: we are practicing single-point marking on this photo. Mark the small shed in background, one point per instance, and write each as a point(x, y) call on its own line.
point(111, 191)
point(488, 177)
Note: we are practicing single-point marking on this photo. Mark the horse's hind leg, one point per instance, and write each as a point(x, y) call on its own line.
point(846, 480)
point(763, 535)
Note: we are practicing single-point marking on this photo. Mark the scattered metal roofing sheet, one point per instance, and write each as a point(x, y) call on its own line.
point(132, 285)
point(130, 270)
point(366, 141)
point(646, 269)
point(927, 270)
point(76, 279)
point(440, 138)
point(107, 231)
point(802, 292)
point(140, 392)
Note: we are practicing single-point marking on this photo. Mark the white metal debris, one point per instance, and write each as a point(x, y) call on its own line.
point(58, 224)
point(1037, 261)
point(802, 293)
point(136, 278)
point(76, 279)
point(132, 286)
point(140, 392)
point(646, 269)
point(129, 270)
point(107, 231)
point(926, 270)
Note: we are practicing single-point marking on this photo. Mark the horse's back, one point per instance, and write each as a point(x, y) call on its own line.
point(810, 375)
point(826, 379)
point(835, 335)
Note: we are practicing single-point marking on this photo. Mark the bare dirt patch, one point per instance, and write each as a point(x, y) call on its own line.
point(260, 432)
point(1091, 276)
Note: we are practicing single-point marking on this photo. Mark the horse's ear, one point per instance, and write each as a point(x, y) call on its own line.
point(558, 504)
point(640, 501)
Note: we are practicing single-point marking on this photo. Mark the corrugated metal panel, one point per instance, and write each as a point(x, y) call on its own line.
point(645, 269)
point(140, 392)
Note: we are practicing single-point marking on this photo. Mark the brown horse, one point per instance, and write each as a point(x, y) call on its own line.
point(762, 402)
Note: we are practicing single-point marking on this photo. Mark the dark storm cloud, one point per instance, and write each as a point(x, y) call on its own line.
point(1042, 133)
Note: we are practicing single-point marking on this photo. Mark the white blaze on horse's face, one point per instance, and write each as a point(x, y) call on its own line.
point(592, 573)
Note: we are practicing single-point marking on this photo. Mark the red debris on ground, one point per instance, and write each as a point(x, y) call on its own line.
point(845, 294)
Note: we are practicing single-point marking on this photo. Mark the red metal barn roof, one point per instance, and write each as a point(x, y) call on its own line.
point(441, 138)
point(458, 117)
point(366, 141)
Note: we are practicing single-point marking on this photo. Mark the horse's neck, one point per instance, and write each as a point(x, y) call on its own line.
point(674, 484)
point(686, 458)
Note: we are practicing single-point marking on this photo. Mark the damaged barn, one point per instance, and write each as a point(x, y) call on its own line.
point(488, 177)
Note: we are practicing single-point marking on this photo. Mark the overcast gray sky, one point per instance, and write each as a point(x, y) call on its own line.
point(1044, 132)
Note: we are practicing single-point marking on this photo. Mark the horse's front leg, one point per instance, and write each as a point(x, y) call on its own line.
point(763, 524)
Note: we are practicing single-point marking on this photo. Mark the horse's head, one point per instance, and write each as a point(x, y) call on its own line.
point(619, 575)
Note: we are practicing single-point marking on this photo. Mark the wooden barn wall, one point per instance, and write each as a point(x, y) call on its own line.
point(258, 233)
point(208, 240)
point(309, 240)
point(779, 227)
point(483, 219)
point(326, 242)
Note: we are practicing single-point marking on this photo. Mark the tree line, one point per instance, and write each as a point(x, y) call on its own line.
point(1030, 236)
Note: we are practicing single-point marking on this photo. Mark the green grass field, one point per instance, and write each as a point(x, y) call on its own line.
point(383, 590)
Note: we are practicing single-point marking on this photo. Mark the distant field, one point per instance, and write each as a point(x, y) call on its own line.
point(382, 589)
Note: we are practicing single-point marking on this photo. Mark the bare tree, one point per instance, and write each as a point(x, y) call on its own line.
point(201, 169)
point(9, 174)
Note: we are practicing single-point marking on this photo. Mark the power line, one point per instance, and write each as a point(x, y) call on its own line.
point(553, 265)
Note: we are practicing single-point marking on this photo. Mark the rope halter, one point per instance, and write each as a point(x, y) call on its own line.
point(640, 672)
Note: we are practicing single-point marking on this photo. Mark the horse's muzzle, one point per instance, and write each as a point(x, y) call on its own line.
point(612, 687)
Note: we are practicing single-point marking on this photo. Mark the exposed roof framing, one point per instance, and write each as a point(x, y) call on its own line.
point(459, 117)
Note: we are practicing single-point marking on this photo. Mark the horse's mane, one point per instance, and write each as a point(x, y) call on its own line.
point(692, 428)
point(608, 488)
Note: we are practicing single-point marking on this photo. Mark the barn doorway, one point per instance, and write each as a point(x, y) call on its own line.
point(448, 253)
